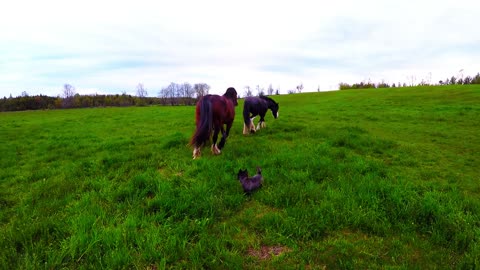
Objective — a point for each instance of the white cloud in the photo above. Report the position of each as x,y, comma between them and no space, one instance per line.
111,46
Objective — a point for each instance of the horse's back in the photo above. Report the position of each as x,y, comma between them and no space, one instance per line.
254,105
223,109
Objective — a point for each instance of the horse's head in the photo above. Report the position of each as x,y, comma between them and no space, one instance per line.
274,108
232,95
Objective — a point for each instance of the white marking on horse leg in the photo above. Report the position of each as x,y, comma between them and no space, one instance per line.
215,149
259,125
196,152
252,126
245,129
263,125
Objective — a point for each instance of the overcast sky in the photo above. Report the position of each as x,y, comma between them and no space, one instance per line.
112,46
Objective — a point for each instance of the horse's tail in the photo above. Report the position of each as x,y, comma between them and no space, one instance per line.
204,121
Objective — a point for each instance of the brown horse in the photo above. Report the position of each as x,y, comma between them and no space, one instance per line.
212,113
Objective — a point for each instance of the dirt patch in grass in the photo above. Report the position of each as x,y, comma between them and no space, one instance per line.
267,252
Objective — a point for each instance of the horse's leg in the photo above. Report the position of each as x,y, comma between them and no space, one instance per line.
222,142
225,134
261,124
196,152
245,129
215,149
252,125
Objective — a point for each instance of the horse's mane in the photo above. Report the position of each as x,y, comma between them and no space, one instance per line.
267,98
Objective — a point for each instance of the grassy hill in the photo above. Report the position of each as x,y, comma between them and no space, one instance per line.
353,179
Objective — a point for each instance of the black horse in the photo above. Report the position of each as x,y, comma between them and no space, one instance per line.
254,106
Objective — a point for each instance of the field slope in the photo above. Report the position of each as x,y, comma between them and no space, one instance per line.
353,179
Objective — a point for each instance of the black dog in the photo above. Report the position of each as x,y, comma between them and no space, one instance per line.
250,184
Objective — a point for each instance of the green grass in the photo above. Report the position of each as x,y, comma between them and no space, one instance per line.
382,178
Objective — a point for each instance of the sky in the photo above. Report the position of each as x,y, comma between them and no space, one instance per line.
109,47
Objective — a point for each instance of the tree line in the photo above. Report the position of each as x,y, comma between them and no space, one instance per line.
179,94
173,94
459,80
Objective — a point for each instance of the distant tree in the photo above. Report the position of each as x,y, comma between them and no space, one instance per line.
141,95
277,91
467,80
260,91
141,91
68,95
24,94
344,86
453,80
383,84
68,91
318,88
248,91
291,91
163,95
270,90
423,83
412,79
460,76
201,89
173,93
188,93
476,79
300,88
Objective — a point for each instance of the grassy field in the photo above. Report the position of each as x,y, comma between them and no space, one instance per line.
382,178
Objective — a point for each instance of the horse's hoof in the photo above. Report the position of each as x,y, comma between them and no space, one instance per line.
196,153
215,150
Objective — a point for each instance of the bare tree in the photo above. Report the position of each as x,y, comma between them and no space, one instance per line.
163,95
68,91
413,80
141,91
201,89
172,93
248,91
270,90
300,88
68,94
188,93
260,91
